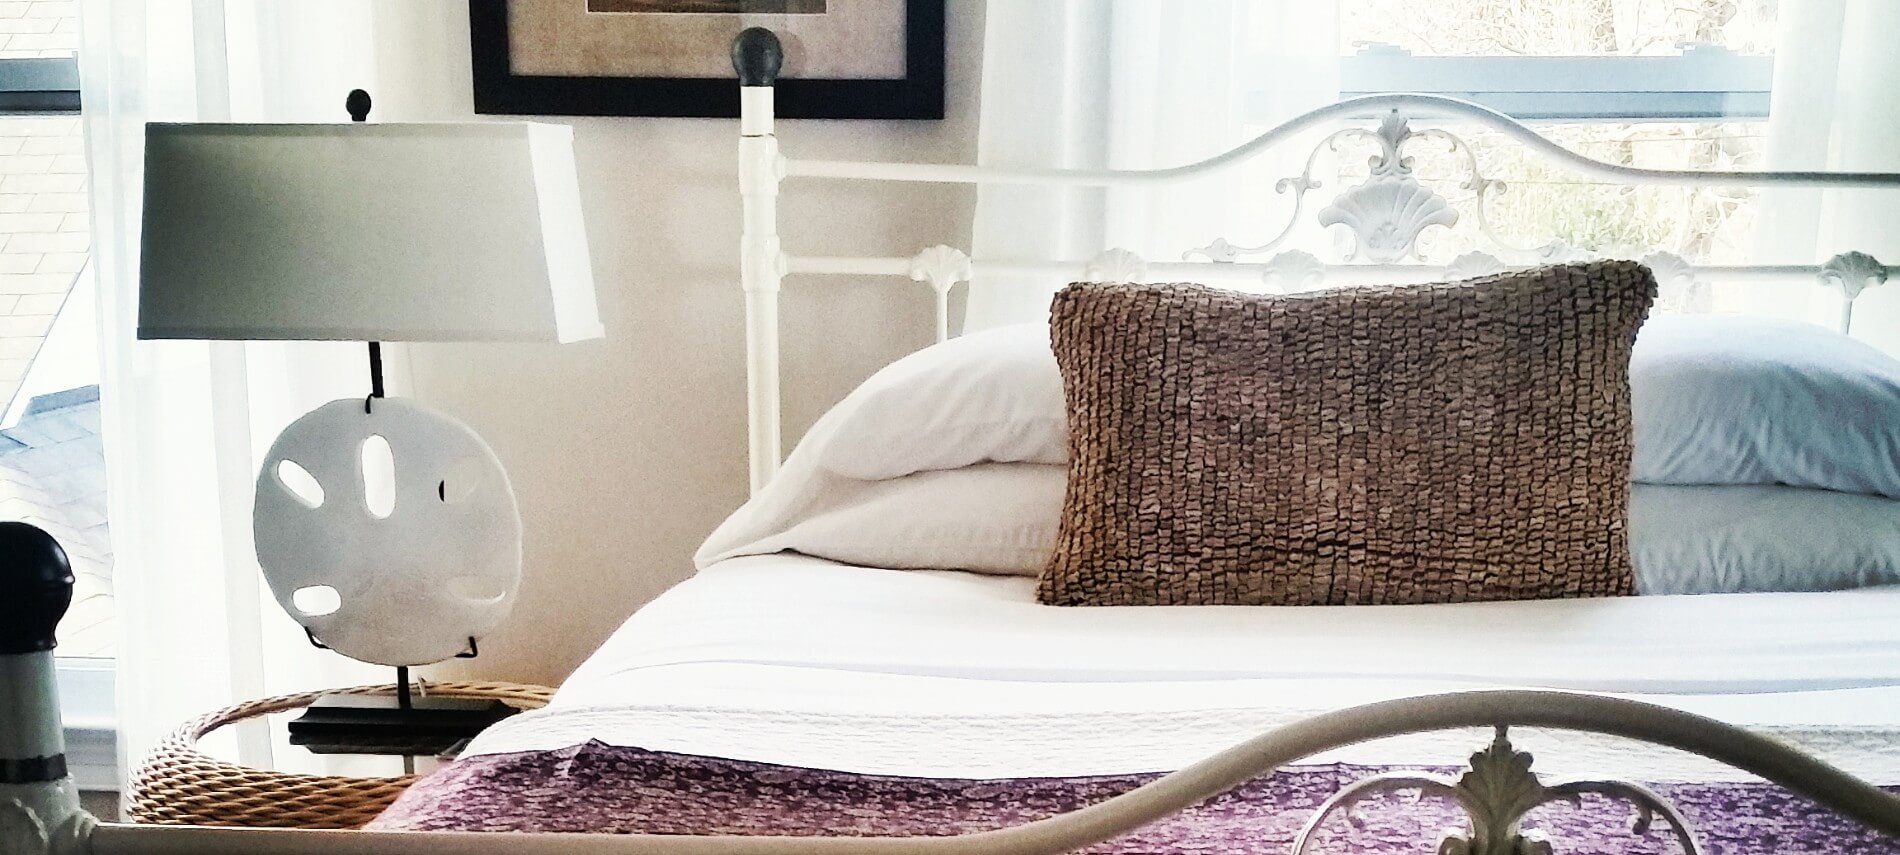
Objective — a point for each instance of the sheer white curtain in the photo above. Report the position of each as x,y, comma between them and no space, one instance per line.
1834,108
187,422
1135,84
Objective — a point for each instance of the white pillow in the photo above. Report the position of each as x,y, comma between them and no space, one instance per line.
992,396
1002,517
1730,399
1707,540
989,518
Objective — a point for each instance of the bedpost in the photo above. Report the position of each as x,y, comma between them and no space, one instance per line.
757,56
37,798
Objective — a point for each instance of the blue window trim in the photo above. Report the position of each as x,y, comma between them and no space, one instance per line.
1704,82
39,85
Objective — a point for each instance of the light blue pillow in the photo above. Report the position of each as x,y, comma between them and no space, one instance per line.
1724,540
1731,399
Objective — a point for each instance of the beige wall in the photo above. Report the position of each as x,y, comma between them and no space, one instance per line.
625,452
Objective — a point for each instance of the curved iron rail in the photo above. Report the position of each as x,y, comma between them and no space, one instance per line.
1106,820
1414,105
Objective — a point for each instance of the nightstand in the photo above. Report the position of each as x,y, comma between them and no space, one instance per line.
180,785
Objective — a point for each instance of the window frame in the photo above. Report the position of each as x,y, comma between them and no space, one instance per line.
47,84
1704,82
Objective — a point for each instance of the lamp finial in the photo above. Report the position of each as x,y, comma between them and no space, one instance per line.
358,105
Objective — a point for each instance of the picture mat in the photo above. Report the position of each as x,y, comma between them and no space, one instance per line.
851,40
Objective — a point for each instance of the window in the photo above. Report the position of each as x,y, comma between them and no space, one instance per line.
1567,59
40,83
1702,81
52,469
1669,84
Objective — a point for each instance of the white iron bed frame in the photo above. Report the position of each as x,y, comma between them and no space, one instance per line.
1385,215
40,812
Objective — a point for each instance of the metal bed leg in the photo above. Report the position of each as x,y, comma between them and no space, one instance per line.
39,805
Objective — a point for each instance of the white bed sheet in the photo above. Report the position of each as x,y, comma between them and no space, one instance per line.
801,661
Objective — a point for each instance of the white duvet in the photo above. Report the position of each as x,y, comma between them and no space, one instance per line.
796,660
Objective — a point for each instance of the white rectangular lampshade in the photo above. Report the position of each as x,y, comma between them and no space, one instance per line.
366,232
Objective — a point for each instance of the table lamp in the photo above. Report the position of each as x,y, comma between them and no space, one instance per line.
373,232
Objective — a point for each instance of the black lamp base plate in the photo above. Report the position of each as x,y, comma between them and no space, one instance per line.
369,724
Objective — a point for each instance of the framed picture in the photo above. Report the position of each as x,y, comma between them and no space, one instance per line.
844,59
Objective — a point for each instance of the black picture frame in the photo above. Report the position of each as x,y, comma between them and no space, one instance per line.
498,90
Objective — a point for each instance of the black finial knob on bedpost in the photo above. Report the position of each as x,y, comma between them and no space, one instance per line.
358,105
36,588
757,56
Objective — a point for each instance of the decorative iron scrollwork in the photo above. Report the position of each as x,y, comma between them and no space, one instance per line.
1117,265
1388,211
1293,271
1852,273
1496,792
1223,250
20,830
1390,208
940,266
1677,289
1472,265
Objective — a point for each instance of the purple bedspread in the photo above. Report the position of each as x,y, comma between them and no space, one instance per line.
603,788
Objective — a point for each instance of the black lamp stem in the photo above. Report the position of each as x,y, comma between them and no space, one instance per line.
402,687
358,104
376,369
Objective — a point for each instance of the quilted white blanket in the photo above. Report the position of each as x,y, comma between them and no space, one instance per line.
800,661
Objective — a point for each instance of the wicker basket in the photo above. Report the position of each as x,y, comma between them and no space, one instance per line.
178,785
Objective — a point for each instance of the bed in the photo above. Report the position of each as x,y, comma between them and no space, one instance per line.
817,677
783,701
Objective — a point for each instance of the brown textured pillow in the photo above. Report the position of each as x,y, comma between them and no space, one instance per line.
1421,444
